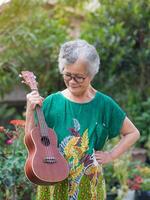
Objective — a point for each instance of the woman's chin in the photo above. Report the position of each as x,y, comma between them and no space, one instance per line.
75,91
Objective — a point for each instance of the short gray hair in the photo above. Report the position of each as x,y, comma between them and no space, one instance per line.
71,51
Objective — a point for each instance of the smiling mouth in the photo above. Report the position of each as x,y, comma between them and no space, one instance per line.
74,86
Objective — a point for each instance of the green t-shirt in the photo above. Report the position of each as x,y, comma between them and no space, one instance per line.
81,128
102,117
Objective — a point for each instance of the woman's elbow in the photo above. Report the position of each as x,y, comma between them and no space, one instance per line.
137,134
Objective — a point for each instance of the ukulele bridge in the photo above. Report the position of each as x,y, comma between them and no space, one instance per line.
50,160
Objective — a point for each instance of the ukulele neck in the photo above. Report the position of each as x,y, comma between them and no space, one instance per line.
41,121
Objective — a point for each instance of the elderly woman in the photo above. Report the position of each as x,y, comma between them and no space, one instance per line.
83,119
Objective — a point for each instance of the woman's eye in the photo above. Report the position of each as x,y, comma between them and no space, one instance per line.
68,75
78,77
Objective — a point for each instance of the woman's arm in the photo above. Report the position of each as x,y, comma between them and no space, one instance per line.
130,135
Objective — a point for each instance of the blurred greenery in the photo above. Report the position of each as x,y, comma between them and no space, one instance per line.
120,32
7,113
31,33
30,38
13,183
116,173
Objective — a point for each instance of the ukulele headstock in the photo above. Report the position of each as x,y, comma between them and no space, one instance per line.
29,79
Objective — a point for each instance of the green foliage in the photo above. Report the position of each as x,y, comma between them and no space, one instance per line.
116,173
7,113
146,185
13,182
30,38
120,32
112,182
141,114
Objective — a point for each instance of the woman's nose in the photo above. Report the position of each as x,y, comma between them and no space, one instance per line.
73,80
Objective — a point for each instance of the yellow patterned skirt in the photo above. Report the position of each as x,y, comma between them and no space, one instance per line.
91,187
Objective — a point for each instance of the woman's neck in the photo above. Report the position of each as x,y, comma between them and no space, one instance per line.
83,97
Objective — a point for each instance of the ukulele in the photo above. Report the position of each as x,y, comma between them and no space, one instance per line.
45,165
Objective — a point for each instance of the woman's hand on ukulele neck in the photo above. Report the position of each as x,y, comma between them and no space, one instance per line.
33,99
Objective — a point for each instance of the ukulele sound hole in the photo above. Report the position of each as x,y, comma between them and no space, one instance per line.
45,141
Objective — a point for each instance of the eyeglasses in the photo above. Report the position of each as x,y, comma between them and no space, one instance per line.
77,78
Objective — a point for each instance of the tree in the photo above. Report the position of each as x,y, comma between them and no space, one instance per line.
30,37
120,31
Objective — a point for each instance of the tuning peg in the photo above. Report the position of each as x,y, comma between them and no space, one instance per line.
35,77
22,81
20,75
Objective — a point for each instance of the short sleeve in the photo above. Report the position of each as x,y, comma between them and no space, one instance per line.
117,116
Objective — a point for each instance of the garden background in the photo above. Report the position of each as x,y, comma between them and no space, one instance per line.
31,33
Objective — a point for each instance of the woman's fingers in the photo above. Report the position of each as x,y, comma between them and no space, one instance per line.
34,99
103,157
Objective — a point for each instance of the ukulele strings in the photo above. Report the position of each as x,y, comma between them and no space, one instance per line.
42,125
43,134
49,150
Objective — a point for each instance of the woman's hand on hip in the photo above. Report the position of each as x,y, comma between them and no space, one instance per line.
33,99
103,157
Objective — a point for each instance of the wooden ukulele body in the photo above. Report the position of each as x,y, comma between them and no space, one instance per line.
44,165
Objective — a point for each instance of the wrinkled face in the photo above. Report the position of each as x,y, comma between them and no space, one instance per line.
76,77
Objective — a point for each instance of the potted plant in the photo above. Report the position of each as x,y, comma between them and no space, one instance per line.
121,172
111,182
144,192
139,181
116,174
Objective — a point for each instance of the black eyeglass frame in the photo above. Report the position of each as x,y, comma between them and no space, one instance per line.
75,77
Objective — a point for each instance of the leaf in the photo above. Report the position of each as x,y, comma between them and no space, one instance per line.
70,147
76,124
85,141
